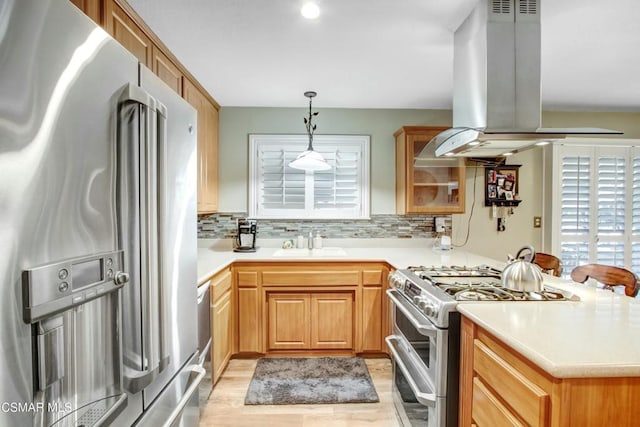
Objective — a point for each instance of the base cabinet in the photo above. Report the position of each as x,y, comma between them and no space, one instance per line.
310,321
311,306
222,323
505,389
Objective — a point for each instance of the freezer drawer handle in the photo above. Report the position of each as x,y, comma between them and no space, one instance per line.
197,374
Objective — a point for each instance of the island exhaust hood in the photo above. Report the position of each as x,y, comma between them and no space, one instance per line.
496,84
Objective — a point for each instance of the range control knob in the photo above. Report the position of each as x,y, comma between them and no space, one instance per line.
121,278
433,311
396,281
417,301
428,310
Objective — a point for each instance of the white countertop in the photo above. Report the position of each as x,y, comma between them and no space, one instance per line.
598,336
213,255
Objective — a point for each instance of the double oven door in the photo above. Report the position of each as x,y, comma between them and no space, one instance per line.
425,366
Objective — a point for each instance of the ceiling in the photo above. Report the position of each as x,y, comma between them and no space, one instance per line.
388,53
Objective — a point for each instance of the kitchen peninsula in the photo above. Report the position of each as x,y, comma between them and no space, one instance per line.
576,360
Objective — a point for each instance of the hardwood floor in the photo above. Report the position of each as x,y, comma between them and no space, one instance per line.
225,406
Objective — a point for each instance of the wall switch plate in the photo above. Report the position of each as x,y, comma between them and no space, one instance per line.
537,221
439,224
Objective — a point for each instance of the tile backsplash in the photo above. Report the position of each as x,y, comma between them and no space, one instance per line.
223,226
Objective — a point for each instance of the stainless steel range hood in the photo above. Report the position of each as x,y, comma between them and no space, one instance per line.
496,84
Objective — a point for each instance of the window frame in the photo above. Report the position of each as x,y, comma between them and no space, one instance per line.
298,143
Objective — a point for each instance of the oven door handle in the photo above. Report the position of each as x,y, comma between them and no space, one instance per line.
410,311
412,372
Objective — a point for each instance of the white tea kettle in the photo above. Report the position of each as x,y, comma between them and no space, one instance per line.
521,274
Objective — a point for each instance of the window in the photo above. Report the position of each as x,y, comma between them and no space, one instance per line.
279,191
598,206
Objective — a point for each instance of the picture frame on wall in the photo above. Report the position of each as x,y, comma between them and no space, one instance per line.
501,185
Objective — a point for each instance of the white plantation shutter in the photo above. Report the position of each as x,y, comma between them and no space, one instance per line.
279,191
576,195
635,211
599,206
576,199
281,187
339,187
611,193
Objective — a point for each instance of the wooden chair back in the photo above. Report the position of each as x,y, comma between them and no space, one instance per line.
607,275
548,263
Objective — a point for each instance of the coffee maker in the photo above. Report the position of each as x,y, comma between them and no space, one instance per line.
246,239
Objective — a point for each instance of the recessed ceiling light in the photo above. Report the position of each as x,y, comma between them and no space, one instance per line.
541,143
509,153
310,10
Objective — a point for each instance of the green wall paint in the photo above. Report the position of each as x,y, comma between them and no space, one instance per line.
236,123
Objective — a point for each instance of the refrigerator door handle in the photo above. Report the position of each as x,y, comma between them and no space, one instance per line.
155,357
197,374
161,138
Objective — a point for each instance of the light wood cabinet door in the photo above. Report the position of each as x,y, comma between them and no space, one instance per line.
372,319
207,148
127,32
164,68
424,183
289,317
332,321
208,162
249,331
91,8
222,336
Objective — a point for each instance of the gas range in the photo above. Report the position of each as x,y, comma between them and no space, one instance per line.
435,291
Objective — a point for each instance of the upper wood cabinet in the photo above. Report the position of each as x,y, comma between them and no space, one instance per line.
207,147
120,20
91,8
425,183
164,68
125,30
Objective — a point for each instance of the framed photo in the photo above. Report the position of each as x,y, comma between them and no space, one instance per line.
501,185
492,191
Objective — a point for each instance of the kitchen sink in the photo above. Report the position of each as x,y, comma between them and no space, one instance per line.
322,252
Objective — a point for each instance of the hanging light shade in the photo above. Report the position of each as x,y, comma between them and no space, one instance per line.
310,160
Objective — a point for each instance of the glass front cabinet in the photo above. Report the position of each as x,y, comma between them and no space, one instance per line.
426,183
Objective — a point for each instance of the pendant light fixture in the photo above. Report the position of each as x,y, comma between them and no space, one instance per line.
310,160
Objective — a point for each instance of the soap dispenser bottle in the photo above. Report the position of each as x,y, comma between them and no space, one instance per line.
317,241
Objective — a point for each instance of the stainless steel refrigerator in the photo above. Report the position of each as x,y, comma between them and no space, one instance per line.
97,229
